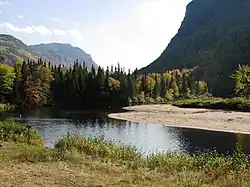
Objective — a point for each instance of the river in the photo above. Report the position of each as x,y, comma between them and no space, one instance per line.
53,124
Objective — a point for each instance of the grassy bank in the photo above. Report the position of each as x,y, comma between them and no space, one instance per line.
237,103
78,161
6,107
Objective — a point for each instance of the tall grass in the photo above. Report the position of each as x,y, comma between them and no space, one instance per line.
99,148
200,169
209,162
237,103
18,132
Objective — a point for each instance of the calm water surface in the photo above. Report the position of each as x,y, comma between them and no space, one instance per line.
53,125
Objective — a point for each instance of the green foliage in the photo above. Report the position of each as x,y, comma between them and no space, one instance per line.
18,132
6,107
114,84
7,76
242,81
237,103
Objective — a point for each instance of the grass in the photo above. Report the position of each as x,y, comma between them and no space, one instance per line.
5,107
79,161
237,103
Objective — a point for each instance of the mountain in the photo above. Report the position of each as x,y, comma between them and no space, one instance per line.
13,49
59,53
215,37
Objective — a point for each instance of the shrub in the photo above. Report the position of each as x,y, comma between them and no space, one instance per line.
241,104
18,132
149,100
135,100
6,107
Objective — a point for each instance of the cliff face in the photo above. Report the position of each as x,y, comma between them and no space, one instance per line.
215,36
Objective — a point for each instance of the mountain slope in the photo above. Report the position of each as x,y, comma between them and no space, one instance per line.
13,49
59,53
215,36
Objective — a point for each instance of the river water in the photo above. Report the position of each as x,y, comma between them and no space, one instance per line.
148,138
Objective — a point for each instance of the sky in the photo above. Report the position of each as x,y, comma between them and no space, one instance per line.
131,32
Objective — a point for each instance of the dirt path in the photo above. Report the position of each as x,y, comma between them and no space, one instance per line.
216,120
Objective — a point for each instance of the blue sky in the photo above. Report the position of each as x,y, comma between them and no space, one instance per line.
131,32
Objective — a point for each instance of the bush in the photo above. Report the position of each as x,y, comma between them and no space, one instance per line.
149,100
18,132
6,107
236,103
135,100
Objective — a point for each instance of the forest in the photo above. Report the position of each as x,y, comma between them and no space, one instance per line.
36,84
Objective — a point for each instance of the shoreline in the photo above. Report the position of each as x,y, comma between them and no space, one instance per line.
192,118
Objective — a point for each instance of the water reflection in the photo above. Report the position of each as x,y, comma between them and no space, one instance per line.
199,140
54,124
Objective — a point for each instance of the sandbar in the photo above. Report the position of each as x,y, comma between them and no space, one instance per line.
206,119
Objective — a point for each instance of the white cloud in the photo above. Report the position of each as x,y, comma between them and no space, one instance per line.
4,2
27,30
75,33
42,30
56,19
1,11
20,16
59,32
10,27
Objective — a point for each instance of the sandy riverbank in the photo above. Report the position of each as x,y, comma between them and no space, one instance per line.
216,120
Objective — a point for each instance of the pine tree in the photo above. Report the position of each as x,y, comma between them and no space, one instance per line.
163,87
157,88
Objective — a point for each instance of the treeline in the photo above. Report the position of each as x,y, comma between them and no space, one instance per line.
36,84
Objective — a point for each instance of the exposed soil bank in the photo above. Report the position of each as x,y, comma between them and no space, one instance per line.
214,120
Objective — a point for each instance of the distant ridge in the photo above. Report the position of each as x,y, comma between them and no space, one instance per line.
13,49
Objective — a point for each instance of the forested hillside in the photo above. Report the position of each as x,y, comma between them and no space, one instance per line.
215,37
